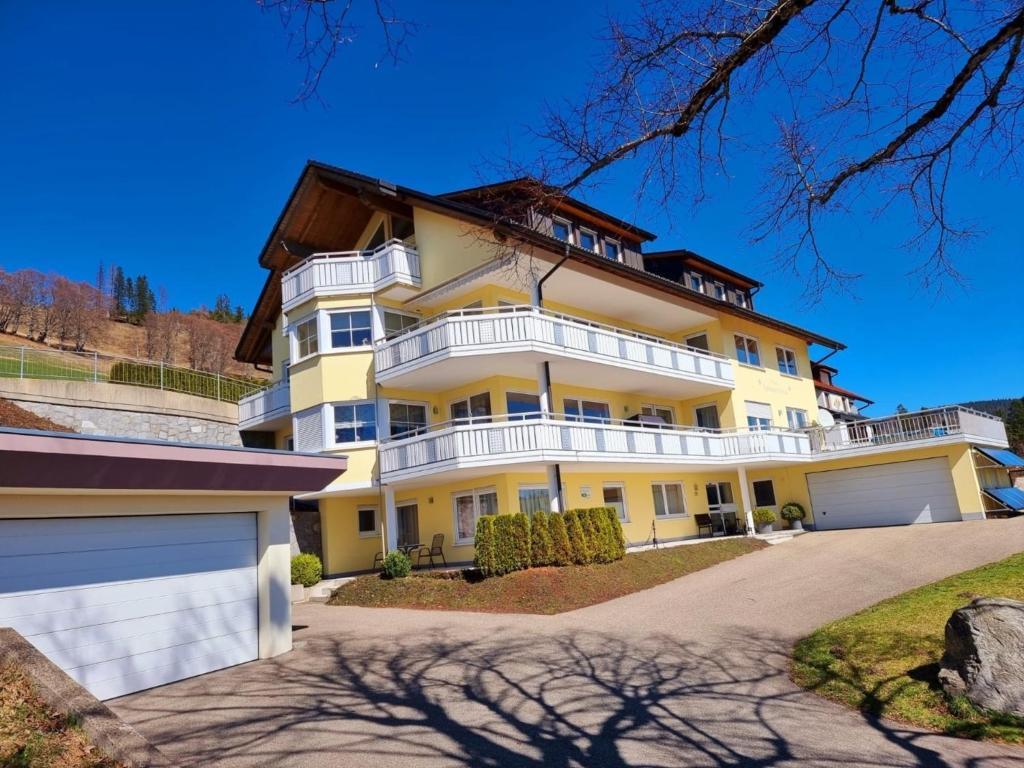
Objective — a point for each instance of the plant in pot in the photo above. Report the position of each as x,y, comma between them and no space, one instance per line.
763,520
794,514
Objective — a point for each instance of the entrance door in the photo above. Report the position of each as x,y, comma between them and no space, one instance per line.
721,505
408,524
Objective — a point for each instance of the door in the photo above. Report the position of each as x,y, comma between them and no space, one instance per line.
408,524
721,505
902,493
127,603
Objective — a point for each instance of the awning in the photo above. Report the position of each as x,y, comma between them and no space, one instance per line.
1008,497
1002,457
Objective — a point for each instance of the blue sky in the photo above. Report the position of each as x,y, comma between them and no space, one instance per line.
161,137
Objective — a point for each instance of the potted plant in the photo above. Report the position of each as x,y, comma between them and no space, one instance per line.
794,513
763,520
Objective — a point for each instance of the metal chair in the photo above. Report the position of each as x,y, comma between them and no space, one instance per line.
436,549
378,561
704,523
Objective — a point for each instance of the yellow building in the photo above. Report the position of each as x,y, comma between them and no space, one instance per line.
472,353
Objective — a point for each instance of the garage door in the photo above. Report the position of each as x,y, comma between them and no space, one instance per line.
126,603
884,494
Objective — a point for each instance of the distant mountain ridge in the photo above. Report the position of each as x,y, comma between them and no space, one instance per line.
996,407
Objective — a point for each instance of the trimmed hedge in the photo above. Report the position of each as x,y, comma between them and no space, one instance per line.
506,543
185,380
306,569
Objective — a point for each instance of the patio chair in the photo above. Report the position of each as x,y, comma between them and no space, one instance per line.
436,549
704,523
378,561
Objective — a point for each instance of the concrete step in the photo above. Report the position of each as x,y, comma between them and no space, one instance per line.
319,592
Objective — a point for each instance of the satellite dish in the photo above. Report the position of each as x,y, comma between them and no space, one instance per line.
825,418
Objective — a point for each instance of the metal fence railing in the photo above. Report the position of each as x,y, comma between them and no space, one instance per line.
33,363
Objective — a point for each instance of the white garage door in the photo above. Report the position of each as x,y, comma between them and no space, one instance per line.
884,494
126,603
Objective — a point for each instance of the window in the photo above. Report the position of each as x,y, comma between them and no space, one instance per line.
668,499
739,298
696,282
718,291
408,515
746,349
475,408
759,415
586,410
707,416
351,329
561,229
534,498
369,521
407,419
355,422
698,341
520,405
396,322
719,496
615,496
796,418
612,250
787,360
588,240
764,493
306,338
661,411
469,506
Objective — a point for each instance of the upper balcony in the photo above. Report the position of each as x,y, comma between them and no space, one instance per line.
450,349
949,424
482,444
394,266
270,408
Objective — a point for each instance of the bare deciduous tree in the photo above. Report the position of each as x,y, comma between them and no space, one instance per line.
163,330
211,345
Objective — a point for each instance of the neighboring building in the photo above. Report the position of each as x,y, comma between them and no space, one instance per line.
841,404
471,356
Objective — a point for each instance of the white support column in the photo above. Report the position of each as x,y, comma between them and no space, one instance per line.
745,500
390,518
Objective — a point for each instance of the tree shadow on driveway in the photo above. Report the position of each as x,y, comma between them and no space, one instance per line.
580,698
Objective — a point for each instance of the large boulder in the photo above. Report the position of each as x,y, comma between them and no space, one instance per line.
984,658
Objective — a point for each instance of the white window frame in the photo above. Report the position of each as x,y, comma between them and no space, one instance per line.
624,517
719,290
789,419
579,406
691,336
471,419
654,408
331,428
592,233
618,248
757,346
329,313
740,298
690,277
753,491
532,487
701,406
787,351
728,506
476,493
384,426
381,332
376,521
661,485
568,226
759,427
293,336
519,416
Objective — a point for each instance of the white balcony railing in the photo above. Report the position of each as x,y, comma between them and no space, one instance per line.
932,424
524,438
339,273
264,406
526,328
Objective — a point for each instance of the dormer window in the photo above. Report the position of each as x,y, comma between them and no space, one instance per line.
561,229
718,291
612,250
739,298
696,282
588,240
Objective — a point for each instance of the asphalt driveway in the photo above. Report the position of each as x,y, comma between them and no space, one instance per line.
691,673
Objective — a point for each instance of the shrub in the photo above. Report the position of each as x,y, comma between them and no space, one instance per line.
579,538
561,548
484,558
763,516
600,534
541,550
504,557
617,535
397,565
306,569
520,533
793,511
182,380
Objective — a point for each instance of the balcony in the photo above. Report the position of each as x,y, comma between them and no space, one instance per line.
269,408
394,265
937,425
493,443
453,348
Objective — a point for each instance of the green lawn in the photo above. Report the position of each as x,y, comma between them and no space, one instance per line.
542,590
884,660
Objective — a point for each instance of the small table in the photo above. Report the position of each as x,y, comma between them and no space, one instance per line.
408,549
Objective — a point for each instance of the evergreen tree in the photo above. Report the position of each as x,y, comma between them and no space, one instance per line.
145,301
239,313
901,408
130,299
222,309
118,294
